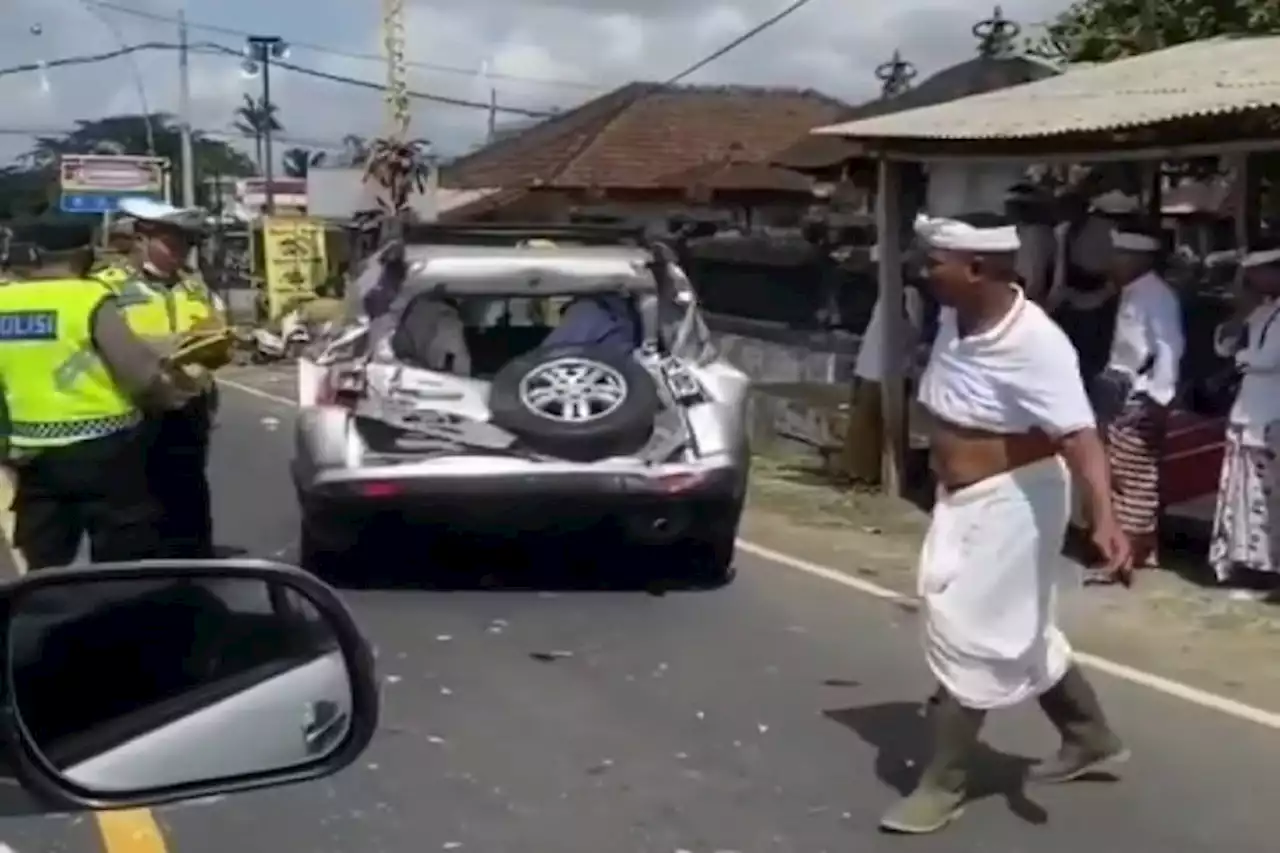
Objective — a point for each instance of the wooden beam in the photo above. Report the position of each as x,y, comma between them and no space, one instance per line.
893,402
1052,155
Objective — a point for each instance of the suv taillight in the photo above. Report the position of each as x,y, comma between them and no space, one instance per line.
341,388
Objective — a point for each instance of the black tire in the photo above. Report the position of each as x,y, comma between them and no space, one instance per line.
624,430
705,556
326,549
712,564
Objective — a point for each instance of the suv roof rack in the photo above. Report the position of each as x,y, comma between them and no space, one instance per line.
509,234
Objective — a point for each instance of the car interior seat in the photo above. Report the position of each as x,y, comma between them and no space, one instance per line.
432,336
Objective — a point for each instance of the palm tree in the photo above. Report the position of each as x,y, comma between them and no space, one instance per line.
355,150
254,118
298,161
400,168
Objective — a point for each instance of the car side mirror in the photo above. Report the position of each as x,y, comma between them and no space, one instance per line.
134,684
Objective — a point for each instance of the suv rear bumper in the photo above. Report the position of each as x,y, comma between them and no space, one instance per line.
646,507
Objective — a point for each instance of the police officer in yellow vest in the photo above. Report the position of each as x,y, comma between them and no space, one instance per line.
163,302
74,379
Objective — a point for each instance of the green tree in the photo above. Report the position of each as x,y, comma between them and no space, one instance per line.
31,186
1104,30
299,161
255,117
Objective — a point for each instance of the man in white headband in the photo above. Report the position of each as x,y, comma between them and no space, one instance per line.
1133,392
1008,407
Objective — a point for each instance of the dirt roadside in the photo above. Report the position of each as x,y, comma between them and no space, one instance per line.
1166,624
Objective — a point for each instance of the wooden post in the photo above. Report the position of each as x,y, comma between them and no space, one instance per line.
893,403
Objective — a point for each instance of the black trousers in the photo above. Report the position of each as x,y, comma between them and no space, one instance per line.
176,471
96,488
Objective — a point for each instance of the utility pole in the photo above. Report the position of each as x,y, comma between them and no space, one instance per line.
260,50
184,112
493,113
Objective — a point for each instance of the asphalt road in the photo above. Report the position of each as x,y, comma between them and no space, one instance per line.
777,714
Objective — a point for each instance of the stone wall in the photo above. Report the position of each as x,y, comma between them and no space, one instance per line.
772,353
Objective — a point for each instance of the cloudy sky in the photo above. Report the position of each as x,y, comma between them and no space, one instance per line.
539,55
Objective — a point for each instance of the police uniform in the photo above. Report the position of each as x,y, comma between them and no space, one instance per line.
160,310
75,436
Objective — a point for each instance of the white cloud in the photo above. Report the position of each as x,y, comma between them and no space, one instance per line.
831,45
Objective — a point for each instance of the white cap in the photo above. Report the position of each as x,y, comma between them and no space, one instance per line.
957,236
149,210
1114,203
1129,241
1260,258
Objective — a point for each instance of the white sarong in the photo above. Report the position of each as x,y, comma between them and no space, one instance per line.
990,571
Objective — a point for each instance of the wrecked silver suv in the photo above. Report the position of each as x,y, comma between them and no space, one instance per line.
525,379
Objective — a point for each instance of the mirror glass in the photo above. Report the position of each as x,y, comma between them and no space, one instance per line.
131,685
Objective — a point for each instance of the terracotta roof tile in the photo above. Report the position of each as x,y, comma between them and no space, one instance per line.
722,175
638,135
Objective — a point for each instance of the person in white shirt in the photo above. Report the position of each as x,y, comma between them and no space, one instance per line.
1244,549
1009,416
1134,391
864,437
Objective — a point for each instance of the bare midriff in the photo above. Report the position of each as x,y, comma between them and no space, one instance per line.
962,456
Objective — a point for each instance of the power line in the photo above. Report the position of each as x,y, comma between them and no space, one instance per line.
299,141
759,28
213,48
333,51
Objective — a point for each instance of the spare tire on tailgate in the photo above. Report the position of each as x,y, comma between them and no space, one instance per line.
579,403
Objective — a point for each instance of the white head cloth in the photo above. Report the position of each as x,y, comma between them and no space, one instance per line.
957,236
1260,258
1128,241
1114,203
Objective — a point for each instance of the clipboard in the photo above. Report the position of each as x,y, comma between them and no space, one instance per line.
208,348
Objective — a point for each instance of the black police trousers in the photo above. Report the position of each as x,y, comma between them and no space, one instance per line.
176,472
96,488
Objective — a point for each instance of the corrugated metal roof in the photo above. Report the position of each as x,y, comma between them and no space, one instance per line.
1212,77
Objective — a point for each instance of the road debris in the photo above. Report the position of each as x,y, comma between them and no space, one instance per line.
549,657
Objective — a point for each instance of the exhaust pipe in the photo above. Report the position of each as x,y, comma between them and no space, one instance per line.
657,529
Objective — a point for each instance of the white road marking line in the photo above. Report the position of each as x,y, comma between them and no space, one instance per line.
1133,675
1159,683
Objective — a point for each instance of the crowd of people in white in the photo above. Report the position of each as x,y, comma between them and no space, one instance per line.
1098,271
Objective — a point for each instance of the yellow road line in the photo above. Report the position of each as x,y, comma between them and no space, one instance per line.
130,831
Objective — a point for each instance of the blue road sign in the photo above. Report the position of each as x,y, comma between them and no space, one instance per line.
98,203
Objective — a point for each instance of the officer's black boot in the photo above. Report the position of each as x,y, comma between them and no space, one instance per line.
1087,739
939,796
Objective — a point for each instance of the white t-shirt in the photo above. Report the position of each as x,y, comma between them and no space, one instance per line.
1020,375
1257,404
1149,330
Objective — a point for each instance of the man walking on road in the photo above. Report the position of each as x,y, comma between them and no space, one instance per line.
1004,390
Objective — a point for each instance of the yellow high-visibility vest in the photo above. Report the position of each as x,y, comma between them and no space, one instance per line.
157,312
57,391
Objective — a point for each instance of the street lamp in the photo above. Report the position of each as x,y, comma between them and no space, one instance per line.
259,51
